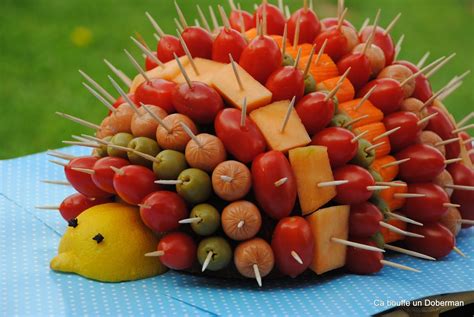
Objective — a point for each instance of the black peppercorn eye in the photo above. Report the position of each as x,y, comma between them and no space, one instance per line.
72,223
98,238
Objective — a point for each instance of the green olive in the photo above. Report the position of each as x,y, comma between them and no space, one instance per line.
377,177
195,186
221,253
309,84
288,60
380,203
170,163
378,239
210,219
339,120
364,158
144,145
102,150
121,139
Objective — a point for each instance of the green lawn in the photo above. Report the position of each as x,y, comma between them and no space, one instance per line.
39,62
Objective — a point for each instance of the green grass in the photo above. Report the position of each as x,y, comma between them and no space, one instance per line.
39,62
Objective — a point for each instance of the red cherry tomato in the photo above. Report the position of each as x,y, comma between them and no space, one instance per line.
293,234
234,20
82,182
438,241
424,165
133,183
285,83
200,102
149,63
360,261
244,143
229,41
464,136
309,26
167,47
268,168
364,220
179,251
161,211
157,92
73,205
121,101
103,176
198,41
408,132
442,125
388,95
329,22
384,41
423,89
463,175
338,140
337,44
355,191
261,58
315,112
429,208
275,18
361,68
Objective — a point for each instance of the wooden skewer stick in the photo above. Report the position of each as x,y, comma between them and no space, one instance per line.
203,18
183,71
288,113
281,181
321,52
395,163
47,207
449,141
454,160
197,23
399,266
408,195
450,205
369,41
224,18
242,23
357,245
190,134
340,8
392,24
180,15
188,54
92,138
58,163
79,121
296,37
333,183
232,5
459,187
155,25
297,59
100,98
243,115
365,98
265,21
398,46
60,155
447,87
392,184
386,133
450,90
403,218
466,221
409,252
297,257
305,5
258,277
241,224
190,220
179,27
125,97
423,60
207,260
340,22
226,178
236,72
146,156
287,12
311,5
377,187
364,25
81,139
214,19
284,39
281,6
339,83
97,86
349,123
421,71
438,67
374,146
155,253
83,170
147,52
466,119
124,78
359,136
62,183
137,65
427,118
168,182
156,118
466,127
85,144
468,141
458,251
400,231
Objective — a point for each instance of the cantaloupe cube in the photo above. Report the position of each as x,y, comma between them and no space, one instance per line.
311,167
168,72
328,223
227,85
206,68
269,120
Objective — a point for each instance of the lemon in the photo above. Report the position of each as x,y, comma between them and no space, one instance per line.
108,244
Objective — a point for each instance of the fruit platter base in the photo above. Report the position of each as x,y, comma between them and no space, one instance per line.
29,238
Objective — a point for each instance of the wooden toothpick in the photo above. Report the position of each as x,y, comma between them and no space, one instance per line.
288,113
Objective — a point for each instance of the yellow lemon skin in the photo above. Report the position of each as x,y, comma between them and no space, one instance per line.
120,256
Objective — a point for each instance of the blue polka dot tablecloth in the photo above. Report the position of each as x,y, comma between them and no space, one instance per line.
29,239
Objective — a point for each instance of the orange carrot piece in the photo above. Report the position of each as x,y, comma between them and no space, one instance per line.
393,202
251,34
325,69
345,93
388,174
293,51
374,130
367,108
278,39
390,236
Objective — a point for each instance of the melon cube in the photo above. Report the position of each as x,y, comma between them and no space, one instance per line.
206,68
328,223
311,167
269,120
227,85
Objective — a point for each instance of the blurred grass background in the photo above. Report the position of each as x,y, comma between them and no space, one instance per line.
45,42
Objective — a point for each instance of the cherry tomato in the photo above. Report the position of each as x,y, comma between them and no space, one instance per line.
388,95
200,102
333,21
464,137
167,47
103,176
438,241
261,58
355,191
73,205
337,44
360,261
234,19
244,143
361,68
179,251
384,41
268,168
338,140
134,182
229,41
149,63
463,175
198,41
161,211
364,220
423,89
285,83
442,125
275,18
82,182
293,234
408,132
315,112
424,165
309,26
429,208
121,101
157,92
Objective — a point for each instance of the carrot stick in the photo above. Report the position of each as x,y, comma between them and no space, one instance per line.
374,130
345,93
388,174
367,108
